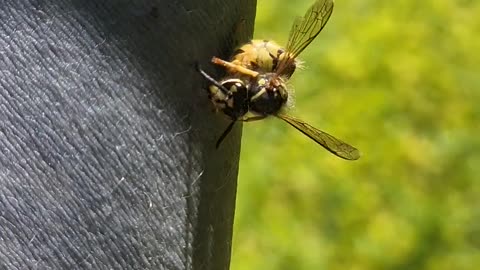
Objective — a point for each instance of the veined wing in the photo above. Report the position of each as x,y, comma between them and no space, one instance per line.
332,144
305,29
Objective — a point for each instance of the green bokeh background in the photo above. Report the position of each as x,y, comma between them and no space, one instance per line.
400,80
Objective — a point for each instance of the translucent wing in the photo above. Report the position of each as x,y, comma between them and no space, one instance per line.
305,29
332,144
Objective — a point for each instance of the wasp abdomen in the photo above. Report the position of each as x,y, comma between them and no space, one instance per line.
262,56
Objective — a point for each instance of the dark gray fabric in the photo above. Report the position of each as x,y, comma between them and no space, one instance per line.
107,139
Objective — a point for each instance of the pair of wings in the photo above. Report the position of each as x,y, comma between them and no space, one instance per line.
304,30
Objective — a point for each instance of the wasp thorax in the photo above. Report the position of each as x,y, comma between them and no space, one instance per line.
287,70
268,94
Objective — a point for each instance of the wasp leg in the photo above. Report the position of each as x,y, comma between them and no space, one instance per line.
234,67
212,80
224,134
259,94
253,118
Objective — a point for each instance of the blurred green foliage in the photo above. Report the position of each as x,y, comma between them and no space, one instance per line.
400,80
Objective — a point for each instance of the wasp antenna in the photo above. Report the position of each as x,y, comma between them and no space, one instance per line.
211,80
224,134
197,66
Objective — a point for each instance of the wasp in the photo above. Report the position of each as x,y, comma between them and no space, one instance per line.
255,86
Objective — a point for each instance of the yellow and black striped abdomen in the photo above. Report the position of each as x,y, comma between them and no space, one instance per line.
259,55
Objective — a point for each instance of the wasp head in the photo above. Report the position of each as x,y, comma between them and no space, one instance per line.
231,97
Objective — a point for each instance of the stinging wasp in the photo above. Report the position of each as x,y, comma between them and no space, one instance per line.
255,85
